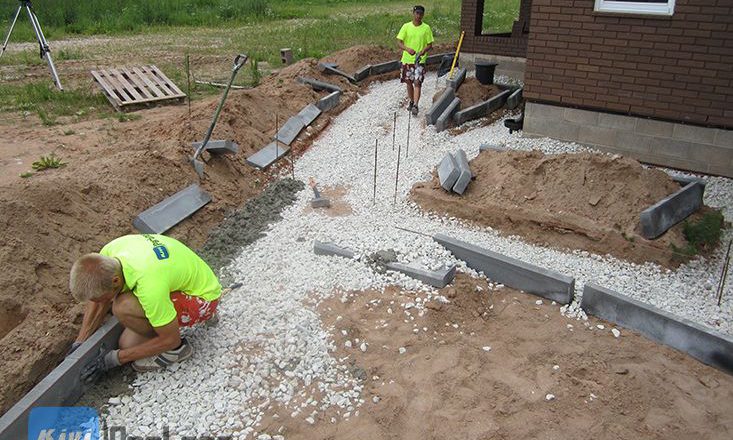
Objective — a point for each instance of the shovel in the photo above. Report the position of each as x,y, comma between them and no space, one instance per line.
197,164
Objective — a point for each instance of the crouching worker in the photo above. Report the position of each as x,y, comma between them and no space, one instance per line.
154,285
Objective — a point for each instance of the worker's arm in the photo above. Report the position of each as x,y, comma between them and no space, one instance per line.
167,338
401,45
94,315
426,50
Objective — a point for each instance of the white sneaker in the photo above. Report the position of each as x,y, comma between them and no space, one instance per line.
159,362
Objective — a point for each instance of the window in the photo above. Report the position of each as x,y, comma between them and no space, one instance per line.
651,7
498,17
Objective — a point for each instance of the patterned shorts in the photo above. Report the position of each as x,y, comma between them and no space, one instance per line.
192,310
413,73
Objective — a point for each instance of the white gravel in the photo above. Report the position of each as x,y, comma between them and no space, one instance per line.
270,347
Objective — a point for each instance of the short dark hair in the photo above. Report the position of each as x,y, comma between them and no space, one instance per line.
418,8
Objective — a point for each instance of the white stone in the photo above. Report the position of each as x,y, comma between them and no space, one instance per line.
549,397
615,332
402,350
486,348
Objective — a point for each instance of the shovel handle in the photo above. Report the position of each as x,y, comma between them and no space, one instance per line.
239,61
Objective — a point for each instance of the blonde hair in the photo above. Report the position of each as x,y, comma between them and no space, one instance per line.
91,276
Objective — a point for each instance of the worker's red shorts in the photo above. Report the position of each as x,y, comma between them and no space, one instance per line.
413,73
192,309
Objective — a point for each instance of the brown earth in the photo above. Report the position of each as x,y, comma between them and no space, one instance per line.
472,92
568,201
114,171
447,386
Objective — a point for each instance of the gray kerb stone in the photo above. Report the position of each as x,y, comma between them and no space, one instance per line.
491,147
267,155
445,118
439,106
63,385
309,114
290,130
700,342
318,85
514,99
362,73
331,249
330,69
218,147
512,272
169,212
459,74
439,278
464,178
448,172
329,101
390,66
658,218
481,109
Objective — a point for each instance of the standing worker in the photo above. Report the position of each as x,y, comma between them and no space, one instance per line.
415,39
154,285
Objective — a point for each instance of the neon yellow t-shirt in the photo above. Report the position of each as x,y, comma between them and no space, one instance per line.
416,38
156,265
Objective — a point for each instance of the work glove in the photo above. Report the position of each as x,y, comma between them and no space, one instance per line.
73,348
100,365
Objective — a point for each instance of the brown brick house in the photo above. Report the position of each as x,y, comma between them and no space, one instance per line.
652,79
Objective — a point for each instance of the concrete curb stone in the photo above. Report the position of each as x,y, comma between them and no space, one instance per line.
448,172
169,212
481,109
439,106
439,279
447,116
466,175
658,218
329,101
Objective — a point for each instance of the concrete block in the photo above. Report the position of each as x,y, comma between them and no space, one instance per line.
619,122
63,386
318,85
448,172
590,134
445,118
693,133
309,114
362,73
654,128
481,109
390,66
330,69
512,272
723,138
439,106
702,343
582,117
267,155
218,147
491,147
164,215
514,99
464,178
437,58
686,180
634,143
330,249
658,218
459,74
290,130
439,279
329,101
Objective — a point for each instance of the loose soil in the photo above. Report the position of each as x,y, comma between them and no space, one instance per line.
114,171
447,386
472,92
568,201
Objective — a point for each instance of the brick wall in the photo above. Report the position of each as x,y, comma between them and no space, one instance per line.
677,68
474,42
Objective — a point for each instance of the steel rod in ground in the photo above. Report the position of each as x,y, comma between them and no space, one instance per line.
407,147
397,174
374,195
277,141
394,129
724,273
188,85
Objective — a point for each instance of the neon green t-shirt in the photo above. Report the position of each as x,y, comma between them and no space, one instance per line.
156,265
416,38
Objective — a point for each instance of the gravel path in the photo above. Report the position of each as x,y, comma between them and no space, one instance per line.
270,349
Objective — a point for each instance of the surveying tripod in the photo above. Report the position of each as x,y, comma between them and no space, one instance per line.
42,43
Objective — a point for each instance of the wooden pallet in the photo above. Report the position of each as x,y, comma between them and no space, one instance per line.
128,88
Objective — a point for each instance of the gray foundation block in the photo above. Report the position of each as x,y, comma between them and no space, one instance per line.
290,130
318,85
331,249
390,66
514,99
445,118
459,75
309,114
63,386
465,177
219,147
491,147
704,344
481,109
164,215
362,73
448,172
658,218
267,155
512,272
439,106
685,180
331,69
439,279
329,101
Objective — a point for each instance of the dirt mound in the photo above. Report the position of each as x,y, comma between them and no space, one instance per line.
472,92
114,171
571,201
354,58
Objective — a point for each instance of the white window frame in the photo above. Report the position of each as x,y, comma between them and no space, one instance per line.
628,7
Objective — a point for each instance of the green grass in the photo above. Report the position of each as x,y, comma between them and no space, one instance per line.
499,15
702,235
48,103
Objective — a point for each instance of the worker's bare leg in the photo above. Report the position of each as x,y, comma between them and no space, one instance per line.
417,88
128,310
410,91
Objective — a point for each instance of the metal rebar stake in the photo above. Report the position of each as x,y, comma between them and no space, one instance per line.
407,147
374,195
397,174
277,128
394,129
724,273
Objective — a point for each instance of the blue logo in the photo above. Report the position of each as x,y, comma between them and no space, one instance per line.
161,252
63,423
